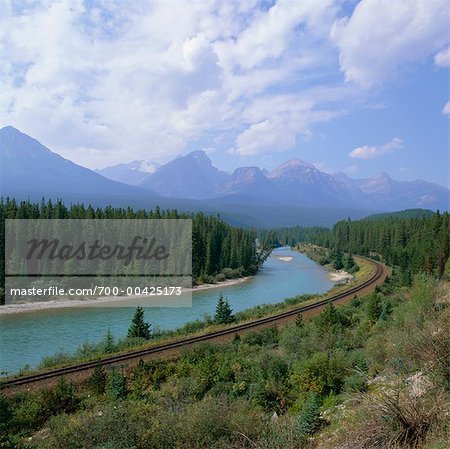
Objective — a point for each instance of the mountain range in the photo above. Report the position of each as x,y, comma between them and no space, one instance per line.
296,192
194,176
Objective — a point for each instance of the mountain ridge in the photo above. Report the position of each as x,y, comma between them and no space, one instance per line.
292,193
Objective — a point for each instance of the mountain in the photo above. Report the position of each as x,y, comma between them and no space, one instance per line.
132,173
384,193
30,170
295,193
190,176
248,182
306,184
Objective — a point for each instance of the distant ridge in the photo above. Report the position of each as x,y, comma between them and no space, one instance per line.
30,169
293,182
407,213
295,193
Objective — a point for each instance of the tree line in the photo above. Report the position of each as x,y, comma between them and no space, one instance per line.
218,249
414,245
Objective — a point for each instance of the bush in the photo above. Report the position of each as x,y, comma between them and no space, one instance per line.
322,374
115,385
265,337
398,418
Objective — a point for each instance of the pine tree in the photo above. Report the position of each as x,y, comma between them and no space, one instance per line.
374,308
97,380
337,259
224,313
108,342
139,328
349,262
329,318
116,385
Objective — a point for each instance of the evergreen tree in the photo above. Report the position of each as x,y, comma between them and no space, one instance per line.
349,262
139,328
97,380
329,318
108,342
116,385
374,308
308,420
224,313
337,259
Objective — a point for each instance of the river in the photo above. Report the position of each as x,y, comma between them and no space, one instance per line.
27,337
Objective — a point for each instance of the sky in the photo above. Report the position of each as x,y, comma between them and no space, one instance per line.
359,87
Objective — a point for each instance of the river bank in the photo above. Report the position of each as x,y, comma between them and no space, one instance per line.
71,303
321,256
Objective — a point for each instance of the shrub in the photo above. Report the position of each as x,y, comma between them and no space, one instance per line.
265,337
397,418
115,385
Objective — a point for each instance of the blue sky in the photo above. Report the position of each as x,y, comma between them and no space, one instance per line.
355,86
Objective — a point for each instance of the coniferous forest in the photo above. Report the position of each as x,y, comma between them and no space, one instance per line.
371,373
411,244
219,250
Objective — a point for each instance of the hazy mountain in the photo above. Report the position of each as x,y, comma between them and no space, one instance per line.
248,181
190,176
305,183
29,169
294,193
384,193
132,173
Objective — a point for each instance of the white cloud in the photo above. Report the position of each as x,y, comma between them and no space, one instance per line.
382,37
442,59
369,152
446,108
264,137
102,83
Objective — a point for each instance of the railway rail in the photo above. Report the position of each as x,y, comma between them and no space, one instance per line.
377,277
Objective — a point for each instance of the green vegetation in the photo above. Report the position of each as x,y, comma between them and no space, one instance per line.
375,370
413,245
372,373
410,244
219,251
139,328
407,213
224,313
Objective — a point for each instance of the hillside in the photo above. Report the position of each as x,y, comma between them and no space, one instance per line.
320,383
408,213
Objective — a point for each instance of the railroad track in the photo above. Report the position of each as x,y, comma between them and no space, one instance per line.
138,354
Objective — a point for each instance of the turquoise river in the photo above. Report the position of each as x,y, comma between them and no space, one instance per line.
28,337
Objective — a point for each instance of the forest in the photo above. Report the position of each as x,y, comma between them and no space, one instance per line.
372,373
219,251
411,244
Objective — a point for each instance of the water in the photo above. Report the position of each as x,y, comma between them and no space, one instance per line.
27,337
